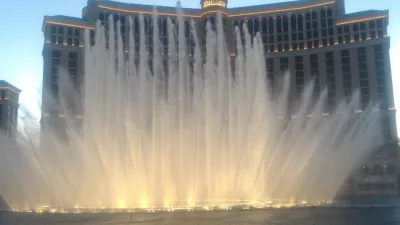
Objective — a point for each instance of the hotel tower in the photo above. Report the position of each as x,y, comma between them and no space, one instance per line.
312,39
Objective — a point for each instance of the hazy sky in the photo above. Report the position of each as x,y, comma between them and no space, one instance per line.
21,38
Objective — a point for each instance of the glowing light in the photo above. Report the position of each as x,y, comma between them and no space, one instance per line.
167,203
121,204
70,25
123,207
144,203
190,201
361,20
286,9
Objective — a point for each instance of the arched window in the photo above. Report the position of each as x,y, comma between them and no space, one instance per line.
293,23
136,25
308,16
314,15
329,12
235,24
279,24
212,21
187,29
250,26
147,25
264,26
285,24
164,27
270,25
116,18
241,23
323,13
300,22
256,26
101,16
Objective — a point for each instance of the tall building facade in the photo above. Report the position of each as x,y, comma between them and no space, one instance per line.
313,39
9,97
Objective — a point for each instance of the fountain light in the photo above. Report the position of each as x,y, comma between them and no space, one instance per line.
196,125
121,204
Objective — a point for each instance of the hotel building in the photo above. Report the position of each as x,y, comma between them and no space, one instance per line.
9,105
313,39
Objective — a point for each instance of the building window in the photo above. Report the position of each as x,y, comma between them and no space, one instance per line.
314,75
299,66
297,32
57,34
270,67
312,30
331,79
55,72
73,67
73,36
284,65
270,71
346,74
363,75
377,170
380,76
92,37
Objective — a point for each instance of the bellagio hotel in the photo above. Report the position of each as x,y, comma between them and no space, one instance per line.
313,39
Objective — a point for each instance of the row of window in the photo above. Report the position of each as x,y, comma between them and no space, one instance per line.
56,66
282,33
73,67
12,114
314,72
69,37
330,77
55,72
4,94
347,75
314,66
363,76
377,169
362,30
377,187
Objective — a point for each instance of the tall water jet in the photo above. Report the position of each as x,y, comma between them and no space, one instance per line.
179,127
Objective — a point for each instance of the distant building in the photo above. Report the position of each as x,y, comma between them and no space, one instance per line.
9,97
313,39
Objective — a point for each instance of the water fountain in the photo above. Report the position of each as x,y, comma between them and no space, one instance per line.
197,134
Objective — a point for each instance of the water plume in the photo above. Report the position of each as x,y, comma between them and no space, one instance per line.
180,127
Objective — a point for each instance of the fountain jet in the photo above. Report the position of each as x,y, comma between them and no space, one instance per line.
168,124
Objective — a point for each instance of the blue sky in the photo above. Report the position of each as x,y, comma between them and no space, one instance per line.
21,39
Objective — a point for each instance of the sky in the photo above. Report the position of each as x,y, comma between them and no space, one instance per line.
21,38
